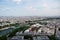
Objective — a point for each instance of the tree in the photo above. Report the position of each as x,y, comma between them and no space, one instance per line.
0,22
0,27
21,28
13,33
52,37
5,26
3,37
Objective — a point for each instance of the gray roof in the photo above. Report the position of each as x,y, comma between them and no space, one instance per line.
41,38
17,38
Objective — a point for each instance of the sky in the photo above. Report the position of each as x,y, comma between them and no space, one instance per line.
29,7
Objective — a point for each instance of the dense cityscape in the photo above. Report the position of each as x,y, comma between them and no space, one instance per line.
29,28
29,19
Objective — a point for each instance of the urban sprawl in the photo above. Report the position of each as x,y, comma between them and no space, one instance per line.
29,28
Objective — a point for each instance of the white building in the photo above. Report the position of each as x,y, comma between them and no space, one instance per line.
28,30
36,25
39,31
19,33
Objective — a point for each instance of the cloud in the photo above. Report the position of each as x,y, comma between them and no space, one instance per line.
17,1
45,5
32,7
4,9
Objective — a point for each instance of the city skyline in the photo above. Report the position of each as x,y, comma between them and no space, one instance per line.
29,7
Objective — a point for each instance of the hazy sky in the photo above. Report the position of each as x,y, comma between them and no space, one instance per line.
29,7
